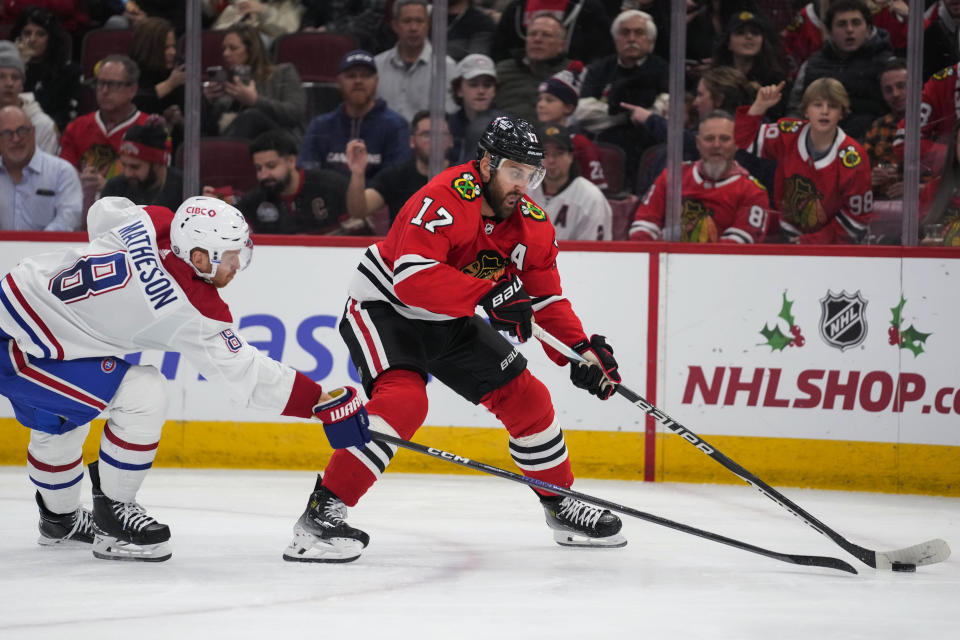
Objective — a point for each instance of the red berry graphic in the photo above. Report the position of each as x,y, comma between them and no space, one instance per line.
894,335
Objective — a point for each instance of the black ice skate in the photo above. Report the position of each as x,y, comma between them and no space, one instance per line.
68,530
124,530
578,524
322,533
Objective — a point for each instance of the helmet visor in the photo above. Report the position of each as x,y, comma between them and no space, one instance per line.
238,259
521,174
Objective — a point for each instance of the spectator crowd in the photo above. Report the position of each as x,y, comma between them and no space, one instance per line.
793,127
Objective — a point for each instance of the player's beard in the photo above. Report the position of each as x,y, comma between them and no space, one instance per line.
497,198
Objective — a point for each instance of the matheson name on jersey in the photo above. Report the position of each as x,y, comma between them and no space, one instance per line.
142,252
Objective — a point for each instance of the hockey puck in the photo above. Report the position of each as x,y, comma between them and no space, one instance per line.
905,567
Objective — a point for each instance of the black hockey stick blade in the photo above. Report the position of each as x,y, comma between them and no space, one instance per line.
808,561
930,552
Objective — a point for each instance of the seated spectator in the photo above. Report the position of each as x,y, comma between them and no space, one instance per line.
804,35
38,191
50,76
474,90
886,170
892,18
92,142
577,208
718,88
521,75
271,18
854,54
940,200
634,74
253,95
751,47
394,185
469,30
161,74
706,20
939,111
146,177
556,103
823,175
291,200
940,48
361,115
136,11
721,201
12,95
404,70
585,24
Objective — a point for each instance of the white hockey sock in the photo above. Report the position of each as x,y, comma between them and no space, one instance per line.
55,465
539,451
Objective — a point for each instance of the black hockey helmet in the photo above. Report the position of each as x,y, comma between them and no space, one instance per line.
513,139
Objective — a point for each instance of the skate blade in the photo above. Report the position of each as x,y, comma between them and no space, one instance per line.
108,548
570,539
307,547
63,543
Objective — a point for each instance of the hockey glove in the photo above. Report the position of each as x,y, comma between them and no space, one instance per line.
509,309
345,419
599,375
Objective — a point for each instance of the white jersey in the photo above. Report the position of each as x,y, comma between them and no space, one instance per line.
579,212
125,291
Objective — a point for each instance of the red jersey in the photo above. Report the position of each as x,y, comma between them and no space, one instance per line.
826,201
733,209
939,110
589,160
802,37
441,256
87,141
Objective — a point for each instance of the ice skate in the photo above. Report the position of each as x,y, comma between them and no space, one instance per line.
578,524
124,531
322,533
66,530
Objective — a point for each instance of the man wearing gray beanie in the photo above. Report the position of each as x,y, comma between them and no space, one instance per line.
12,74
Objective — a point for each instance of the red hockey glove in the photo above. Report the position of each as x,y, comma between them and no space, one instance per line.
599,375
509,308
345,419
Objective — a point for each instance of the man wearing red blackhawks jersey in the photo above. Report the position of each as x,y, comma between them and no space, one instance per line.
721,201
469,237
939,109
148,279
823,180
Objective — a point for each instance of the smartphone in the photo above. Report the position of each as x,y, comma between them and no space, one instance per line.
241,73
216,74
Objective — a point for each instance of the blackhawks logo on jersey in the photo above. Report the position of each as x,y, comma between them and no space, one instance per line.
467,186
697,222
850,157
532,210
943,74
789,126
802,205
489,265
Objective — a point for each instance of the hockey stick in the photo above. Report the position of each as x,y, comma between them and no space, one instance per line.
929,552
809,561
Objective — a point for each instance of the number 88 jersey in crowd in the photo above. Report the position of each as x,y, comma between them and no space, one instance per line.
441,256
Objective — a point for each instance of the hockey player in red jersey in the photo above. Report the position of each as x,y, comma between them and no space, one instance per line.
721,202
148,279
823,182
469,237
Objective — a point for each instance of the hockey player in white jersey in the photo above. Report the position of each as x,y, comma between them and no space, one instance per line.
577,208
148,279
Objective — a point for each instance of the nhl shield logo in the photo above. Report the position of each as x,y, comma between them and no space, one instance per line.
843,319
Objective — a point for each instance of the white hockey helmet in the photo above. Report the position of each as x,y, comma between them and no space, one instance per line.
212,225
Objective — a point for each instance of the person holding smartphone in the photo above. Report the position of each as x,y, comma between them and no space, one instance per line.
251,95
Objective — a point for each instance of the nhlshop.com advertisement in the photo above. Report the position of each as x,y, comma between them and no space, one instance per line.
817,347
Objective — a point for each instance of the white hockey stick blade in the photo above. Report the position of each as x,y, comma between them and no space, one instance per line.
929,552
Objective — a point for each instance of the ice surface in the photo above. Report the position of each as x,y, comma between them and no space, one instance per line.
471,557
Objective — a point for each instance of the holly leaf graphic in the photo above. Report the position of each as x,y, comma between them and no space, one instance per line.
775,338
913,340
786,310
898,313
